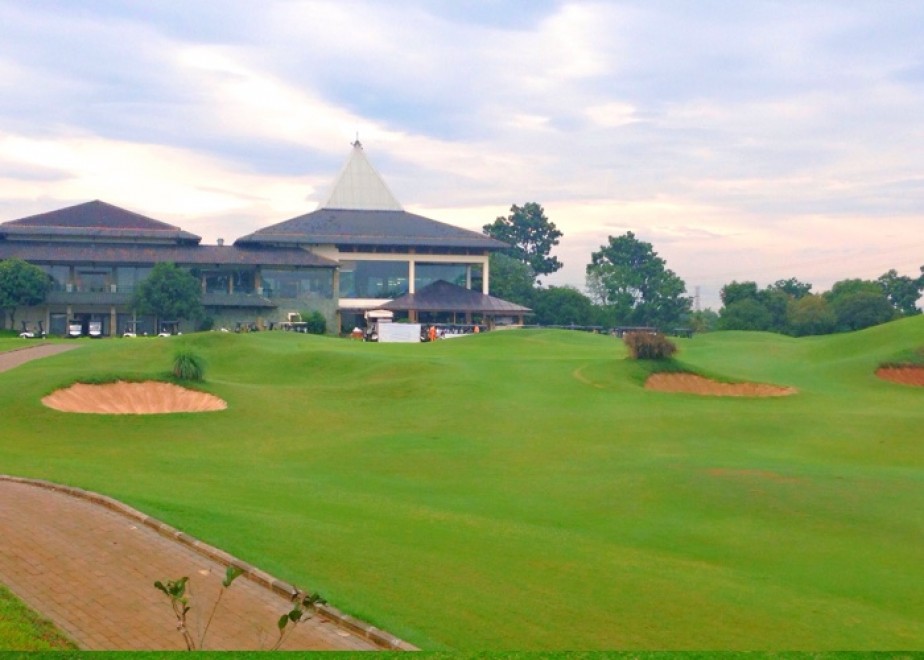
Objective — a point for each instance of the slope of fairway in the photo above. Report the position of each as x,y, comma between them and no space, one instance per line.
521,490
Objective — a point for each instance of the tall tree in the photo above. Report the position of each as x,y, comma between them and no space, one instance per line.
169,293
859,304
736,291
810,315
511,279
21,285
745,314
564,305
902,291
791,287
628,276
530,235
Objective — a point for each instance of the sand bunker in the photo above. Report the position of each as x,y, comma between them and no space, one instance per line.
693,384
121,398
907,375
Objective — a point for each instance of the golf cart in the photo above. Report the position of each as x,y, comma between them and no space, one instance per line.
74,329
169,328
32,334
96,329
131,329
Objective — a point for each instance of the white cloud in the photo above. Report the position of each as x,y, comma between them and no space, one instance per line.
764,138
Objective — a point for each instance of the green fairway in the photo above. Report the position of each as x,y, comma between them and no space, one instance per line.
521,490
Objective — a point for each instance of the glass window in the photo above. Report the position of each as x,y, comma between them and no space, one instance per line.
243,281
217,282
127,278
95,281
457,274
59,276
374,279
300,283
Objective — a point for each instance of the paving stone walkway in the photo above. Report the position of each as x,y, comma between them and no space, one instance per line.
18,356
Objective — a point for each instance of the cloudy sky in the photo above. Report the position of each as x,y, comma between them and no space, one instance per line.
754,140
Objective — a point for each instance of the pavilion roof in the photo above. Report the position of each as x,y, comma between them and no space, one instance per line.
442,296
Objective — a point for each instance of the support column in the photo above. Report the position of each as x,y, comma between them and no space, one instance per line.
113,317
411,275
486,276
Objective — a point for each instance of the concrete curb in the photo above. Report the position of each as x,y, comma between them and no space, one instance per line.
254,574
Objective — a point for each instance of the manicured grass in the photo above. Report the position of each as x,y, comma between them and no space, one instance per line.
521,490
21,629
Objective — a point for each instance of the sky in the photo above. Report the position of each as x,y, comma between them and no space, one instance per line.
756,140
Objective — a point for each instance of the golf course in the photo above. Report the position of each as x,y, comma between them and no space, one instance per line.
523,490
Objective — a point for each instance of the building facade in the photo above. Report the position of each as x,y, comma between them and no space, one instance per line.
358,251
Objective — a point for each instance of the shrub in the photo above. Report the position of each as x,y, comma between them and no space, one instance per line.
315,323
188,365
649,345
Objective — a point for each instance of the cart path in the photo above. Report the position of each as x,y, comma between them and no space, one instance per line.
89,564
17,356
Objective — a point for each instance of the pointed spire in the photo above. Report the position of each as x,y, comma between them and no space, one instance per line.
360,187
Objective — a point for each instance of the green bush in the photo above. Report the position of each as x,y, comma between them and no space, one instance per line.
649,345
316,324
188,365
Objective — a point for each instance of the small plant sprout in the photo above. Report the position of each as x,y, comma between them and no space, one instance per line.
231,574
179,601
176,592
303,607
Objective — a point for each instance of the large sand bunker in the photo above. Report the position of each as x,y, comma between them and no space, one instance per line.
121,398
911,374
693,384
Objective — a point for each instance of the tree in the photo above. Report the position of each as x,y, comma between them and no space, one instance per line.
705,320
736,291
169,292
810,315
792,287
861,309
511,279
531,236
745,314
563,305
765,309
21,285
902,291
628,276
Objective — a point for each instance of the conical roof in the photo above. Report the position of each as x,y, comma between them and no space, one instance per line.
359,187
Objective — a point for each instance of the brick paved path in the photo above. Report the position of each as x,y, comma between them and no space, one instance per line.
18,356
91,571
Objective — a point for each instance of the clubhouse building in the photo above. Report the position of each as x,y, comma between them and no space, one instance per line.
359,251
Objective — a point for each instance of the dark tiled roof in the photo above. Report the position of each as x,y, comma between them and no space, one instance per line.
95,219
441,296
53,252
362,227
